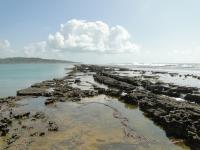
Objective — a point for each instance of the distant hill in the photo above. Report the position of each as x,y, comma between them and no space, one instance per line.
26,60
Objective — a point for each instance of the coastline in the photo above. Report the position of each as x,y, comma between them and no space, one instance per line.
18,76
180,119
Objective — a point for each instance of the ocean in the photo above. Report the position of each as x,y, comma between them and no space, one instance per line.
170,67
18,76
181,68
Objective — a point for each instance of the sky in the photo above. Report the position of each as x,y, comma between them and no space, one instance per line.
103,31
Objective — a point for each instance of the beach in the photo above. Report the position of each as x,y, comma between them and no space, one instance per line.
105,107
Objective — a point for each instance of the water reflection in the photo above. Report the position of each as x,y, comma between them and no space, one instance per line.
94,124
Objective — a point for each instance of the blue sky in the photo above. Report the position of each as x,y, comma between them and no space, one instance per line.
164,31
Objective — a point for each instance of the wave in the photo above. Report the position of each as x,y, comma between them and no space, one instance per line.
161,65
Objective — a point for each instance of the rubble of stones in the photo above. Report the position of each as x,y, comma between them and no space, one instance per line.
180,119
12,123
57,90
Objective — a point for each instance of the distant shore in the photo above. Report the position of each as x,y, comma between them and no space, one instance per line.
27,60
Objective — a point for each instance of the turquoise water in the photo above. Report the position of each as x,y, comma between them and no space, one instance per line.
17,76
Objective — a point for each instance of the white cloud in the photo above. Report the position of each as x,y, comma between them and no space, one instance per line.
4,44
85,36
76,37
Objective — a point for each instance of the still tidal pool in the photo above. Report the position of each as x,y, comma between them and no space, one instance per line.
96,123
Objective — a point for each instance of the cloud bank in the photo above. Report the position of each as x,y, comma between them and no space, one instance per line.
81,36
85,36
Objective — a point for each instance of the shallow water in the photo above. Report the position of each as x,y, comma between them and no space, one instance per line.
94,124
182,81
182,69
17,76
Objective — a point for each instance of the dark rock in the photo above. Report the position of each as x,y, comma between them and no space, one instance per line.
157,89
3,129
49,101
173,93
77,80
62,99
186,90
124,69
130,83
13,138
100,90
32,91
24,126
58,93
75,99
193,98
159,72
52,126
113,92
173,74
179,119
6,120
34,134
39,115
113,82
73,93
47,94
88,93
41,133
129,99
22,115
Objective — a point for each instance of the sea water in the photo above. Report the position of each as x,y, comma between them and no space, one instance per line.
18,76
181,69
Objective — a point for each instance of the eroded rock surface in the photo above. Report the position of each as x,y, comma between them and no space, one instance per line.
156,99
179,119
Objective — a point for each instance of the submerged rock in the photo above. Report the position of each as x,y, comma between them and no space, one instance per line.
6,120
41,133
39,115
32,91
3,129
52,126
22,115
13,138
49,101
